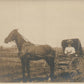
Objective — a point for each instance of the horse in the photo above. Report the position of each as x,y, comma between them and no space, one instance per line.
28,51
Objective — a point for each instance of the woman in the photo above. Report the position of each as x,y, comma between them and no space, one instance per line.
69,50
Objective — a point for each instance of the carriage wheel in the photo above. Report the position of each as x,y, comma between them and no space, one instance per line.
75,63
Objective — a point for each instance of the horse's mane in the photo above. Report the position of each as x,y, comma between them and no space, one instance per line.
25,39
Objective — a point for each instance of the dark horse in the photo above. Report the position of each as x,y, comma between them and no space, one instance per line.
29,51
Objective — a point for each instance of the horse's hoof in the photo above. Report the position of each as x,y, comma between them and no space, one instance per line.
49,79
30,80
24,80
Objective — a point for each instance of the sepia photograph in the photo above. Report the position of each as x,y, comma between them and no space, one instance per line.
41,41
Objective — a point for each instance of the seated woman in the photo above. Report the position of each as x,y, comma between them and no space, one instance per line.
69,50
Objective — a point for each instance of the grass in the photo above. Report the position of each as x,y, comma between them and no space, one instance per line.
10,69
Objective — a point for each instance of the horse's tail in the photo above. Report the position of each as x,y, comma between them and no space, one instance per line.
53,52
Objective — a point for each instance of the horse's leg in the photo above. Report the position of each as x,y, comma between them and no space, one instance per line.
52,68
50,62
23,68
28,69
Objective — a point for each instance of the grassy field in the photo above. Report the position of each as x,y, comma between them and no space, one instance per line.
10,69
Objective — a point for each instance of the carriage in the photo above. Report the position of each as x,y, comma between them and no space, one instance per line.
70,63
28,51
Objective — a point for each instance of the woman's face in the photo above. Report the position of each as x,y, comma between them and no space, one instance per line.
69,45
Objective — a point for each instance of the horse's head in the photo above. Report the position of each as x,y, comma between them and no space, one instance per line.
11,36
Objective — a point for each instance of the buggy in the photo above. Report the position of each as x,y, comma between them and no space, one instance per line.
75,43
69,63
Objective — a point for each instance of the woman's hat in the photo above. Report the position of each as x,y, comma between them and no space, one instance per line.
69,41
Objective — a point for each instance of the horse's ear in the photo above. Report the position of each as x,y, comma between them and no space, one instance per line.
16,30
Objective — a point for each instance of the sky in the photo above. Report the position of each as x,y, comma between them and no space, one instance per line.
42,22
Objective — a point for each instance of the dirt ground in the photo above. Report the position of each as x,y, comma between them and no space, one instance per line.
10,71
